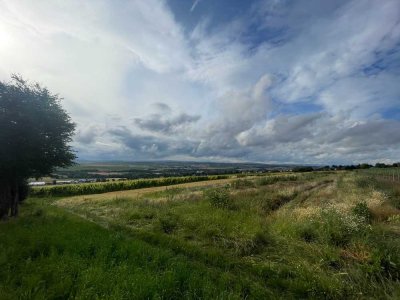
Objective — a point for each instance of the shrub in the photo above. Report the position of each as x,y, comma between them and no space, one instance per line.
218,197
332,227
361,210
338,229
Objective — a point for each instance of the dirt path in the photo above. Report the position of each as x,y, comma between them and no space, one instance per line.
138,192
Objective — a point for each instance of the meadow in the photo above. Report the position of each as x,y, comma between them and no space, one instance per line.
322,235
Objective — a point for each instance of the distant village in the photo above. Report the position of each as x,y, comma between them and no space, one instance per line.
73,181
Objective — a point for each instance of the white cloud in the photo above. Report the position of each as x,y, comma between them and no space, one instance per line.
212,93
193,7
339,46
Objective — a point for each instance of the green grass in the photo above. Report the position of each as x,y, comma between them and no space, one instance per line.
316,235
49,254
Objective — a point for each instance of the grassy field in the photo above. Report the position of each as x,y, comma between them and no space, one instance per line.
312,235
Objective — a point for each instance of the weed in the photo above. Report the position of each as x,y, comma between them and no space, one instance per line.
218,197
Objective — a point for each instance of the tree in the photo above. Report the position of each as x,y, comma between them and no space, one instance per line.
303,169
381,165
365,166
34,135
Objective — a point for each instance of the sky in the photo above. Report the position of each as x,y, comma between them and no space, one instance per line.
272,81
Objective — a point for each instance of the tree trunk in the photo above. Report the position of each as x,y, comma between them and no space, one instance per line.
10,197
15,200
5,199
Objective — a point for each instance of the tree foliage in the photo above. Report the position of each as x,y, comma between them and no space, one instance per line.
34,134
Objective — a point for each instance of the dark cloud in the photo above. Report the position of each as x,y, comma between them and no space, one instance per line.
162,107
368,136
161,124
322,138
310,138
147,146
87,135
283,129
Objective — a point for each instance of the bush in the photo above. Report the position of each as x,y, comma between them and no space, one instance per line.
339,229
361,210
332,227
218,197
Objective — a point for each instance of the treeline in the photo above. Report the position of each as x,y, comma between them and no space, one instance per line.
345,167
359,166
105,187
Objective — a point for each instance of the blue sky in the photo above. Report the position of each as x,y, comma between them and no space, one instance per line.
276,81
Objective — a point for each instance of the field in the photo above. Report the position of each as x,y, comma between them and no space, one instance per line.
104,187
325,235
153,169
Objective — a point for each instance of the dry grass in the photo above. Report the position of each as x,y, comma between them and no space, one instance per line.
383,212
358,253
